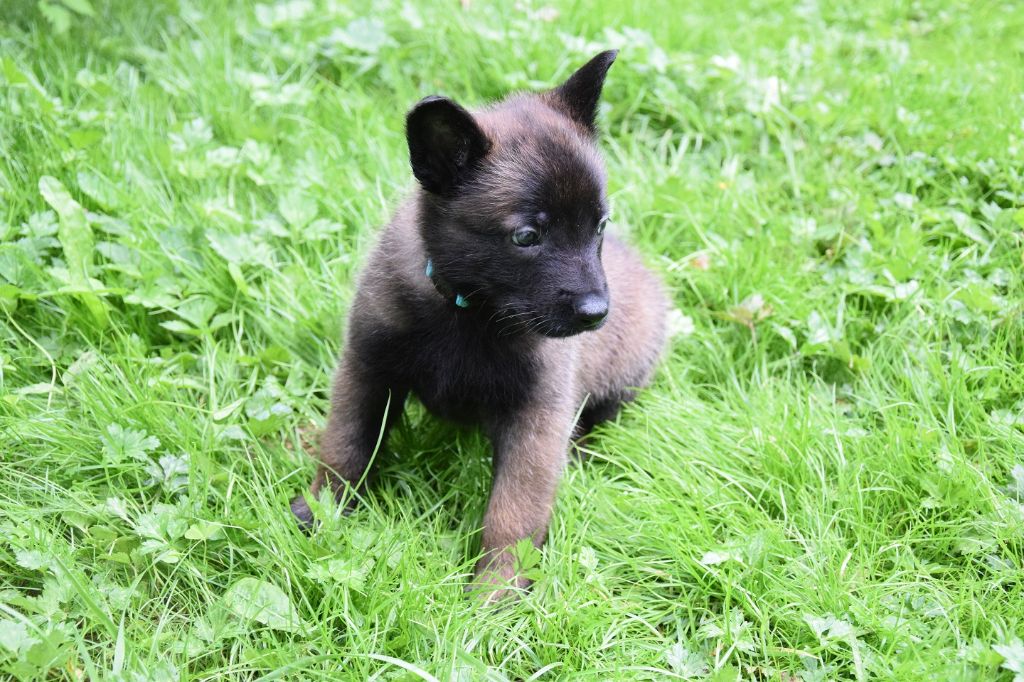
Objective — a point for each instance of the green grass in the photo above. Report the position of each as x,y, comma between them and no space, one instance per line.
824,482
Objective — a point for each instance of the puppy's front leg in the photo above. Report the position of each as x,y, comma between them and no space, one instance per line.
361,406
530,449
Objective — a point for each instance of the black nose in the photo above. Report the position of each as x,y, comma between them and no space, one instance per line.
590,311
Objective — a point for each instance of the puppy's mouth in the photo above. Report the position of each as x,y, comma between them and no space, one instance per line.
525,323
560,329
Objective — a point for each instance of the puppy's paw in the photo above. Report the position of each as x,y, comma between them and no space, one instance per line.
302,513
496,580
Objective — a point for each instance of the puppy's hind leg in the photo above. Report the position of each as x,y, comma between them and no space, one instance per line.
594,413
362,411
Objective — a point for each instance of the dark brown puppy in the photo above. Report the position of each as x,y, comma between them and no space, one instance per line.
495,297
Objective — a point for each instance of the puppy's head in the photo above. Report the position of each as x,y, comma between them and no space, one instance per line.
513,206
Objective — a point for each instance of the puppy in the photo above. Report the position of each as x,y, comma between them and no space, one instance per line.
496,298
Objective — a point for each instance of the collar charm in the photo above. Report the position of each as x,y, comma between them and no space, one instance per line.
443,288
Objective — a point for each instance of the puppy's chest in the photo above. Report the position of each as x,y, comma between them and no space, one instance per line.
460,375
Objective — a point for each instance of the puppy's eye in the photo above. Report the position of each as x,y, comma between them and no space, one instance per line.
526,236
603,223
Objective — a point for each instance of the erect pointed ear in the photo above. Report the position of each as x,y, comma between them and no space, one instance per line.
582,91
444,143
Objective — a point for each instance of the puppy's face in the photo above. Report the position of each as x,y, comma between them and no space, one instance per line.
514,206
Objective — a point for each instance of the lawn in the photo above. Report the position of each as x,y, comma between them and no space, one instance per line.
824,482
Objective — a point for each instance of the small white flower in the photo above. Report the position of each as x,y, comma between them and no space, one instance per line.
715,558
873,141
904,200
728,63
904,290
772,88
680,324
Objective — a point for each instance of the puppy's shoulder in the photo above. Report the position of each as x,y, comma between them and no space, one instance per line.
393,283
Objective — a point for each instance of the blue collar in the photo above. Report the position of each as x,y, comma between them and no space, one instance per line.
443,288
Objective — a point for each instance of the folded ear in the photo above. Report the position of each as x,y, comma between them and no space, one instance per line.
581,92
444,143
